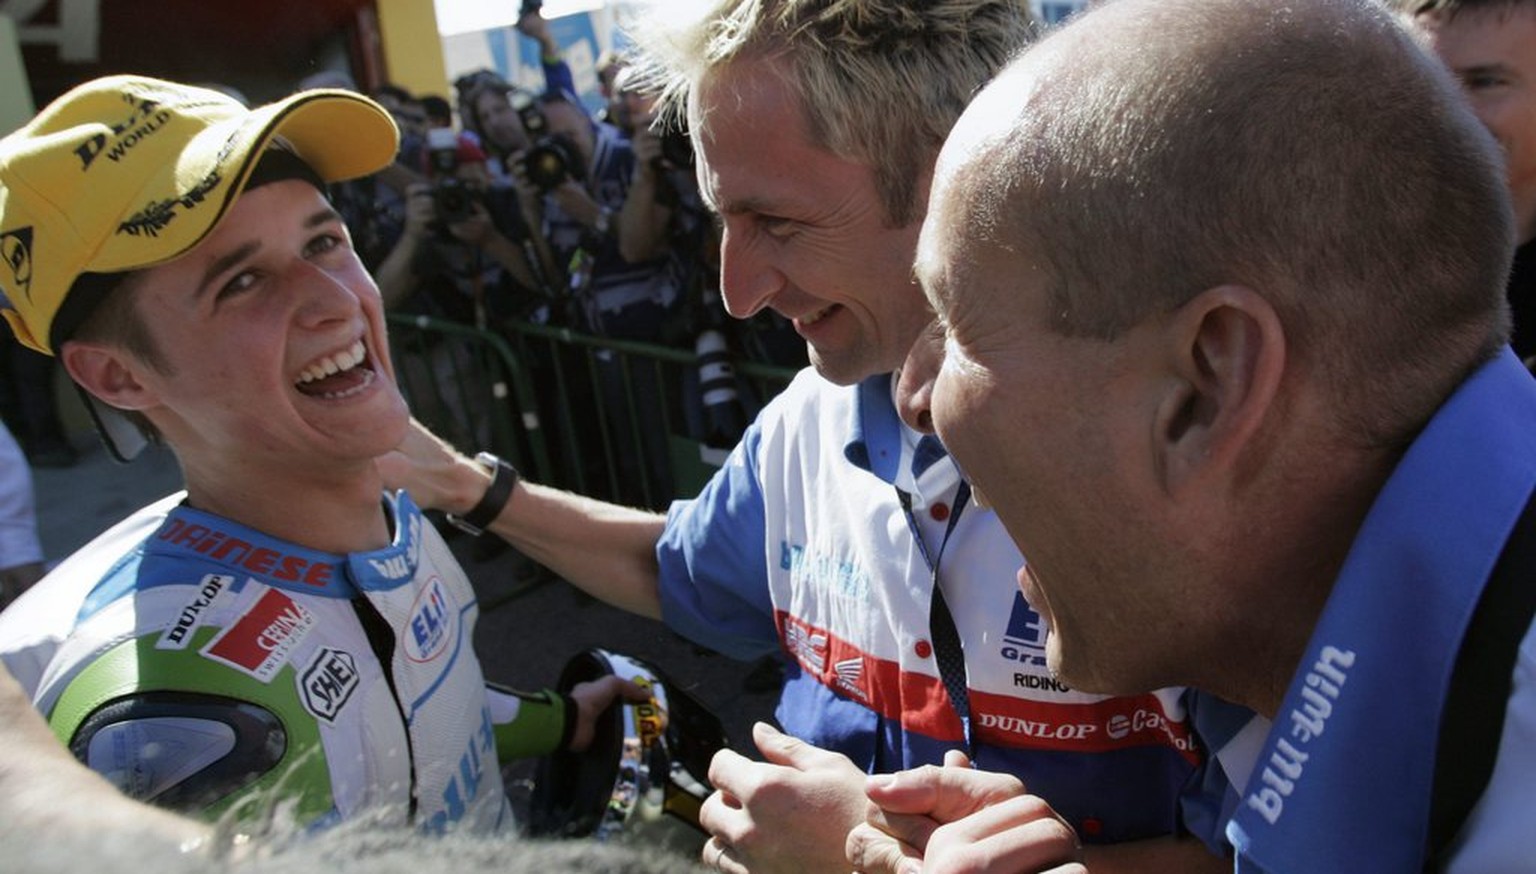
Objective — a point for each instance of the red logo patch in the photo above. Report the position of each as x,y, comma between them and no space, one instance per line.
260,642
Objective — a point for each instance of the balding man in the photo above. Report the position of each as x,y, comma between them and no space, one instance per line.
1221,289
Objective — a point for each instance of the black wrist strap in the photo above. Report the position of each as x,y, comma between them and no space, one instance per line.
504,479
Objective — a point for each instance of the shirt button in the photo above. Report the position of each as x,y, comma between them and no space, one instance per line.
939,512
923,649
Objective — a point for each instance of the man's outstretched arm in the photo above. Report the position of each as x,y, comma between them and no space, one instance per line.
604,549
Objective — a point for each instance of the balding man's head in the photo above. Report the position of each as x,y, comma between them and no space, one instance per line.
1203,267
1309,150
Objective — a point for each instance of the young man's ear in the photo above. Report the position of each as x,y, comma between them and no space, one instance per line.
107,372
1227,352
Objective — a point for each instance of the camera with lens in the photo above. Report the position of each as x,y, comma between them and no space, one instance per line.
551,161
452,200
552,158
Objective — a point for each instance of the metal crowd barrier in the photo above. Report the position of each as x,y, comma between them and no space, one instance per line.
613,419
468,386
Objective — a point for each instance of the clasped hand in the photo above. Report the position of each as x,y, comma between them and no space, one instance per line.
954,818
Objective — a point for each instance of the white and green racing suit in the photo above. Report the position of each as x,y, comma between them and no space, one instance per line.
203,666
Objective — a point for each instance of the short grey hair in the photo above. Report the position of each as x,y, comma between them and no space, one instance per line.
1310,150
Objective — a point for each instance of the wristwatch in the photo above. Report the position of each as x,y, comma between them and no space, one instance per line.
504,479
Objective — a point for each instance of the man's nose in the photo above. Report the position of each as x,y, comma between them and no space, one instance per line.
320,295
914,383
747,280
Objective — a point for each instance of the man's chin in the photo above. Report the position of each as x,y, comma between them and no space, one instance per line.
1082,675
1053,658
1061,671
840,369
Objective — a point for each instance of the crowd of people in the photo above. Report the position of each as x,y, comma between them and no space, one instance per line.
1158,497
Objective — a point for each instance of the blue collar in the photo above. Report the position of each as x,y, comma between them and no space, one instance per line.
214,540
1345,778
876,433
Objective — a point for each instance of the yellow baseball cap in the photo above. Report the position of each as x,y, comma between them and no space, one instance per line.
125,172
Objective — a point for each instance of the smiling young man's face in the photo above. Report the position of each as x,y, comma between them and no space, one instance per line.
272,341
804,231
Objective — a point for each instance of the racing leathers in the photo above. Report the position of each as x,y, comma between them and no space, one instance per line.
204,666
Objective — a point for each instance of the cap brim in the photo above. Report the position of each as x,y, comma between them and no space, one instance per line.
341,134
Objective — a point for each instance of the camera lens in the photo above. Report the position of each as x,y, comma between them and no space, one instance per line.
452,202
550,162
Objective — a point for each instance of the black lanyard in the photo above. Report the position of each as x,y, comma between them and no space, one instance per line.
948,654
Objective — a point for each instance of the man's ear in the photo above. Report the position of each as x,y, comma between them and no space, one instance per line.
109,373
1228,353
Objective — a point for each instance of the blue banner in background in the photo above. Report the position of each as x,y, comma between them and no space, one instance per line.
499,42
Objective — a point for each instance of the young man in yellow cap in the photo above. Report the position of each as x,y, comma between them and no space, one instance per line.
286,630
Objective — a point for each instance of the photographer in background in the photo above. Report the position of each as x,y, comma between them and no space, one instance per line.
464,255
615,250
485,98
608,216
531,23
675,218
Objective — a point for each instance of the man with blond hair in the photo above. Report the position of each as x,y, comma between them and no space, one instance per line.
835,533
